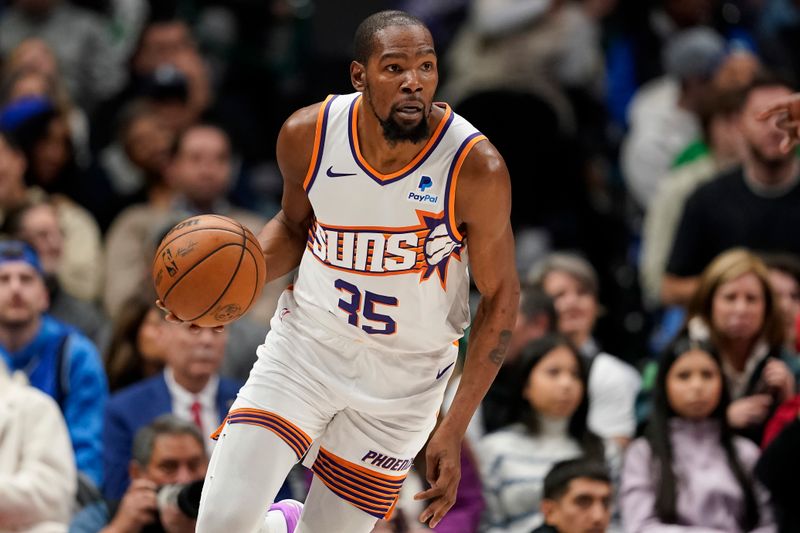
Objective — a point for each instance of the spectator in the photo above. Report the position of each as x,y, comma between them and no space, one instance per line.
40,135
37,469
572,284
138,347
167,451
56,358
778,470
722,149
31,70
735,310
577,498
36,222
550,426
134,166
188,387
166,63
689,471
80,40
663,114
200,172
752,206
784,277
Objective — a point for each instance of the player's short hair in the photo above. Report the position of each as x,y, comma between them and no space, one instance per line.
364,40
167,424
556,482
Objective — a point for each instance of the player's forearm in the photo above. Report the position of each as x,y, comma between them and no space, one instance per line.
488,342
283,242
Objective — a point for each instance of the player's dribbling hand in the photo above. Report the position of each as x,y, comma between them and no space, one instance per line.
443,459
170,317
787,112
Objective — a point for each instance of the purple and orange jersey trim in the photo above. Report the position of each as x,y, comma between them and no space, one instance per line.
414,164
292,435
319,142
372,492
452,180
427,223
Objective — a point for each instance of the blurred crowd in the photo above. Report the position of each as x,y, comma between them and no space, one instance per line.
651,380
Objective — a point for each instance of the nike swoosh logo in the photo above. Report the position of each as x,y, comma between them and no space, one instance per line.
332,174
445,369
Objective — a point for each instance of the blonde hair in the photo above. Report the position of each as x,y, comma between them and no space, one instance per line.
729,266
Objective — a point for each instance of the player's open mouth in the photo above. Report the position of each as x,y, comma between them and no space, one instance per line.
410,111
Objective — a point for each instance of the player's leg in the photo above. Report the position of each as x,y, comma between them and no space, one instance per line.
247,469
326,511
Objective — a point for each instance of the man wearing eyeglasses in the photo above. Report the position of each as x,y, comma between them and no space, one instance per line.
56,358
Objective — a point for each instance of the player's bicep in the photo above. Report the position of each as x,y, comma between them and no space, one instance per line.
294,152
483,208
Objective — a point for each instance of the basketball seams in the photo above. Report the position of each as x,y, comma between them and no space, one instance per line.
195,265
257,288
230,280
247,231
205,228
212,239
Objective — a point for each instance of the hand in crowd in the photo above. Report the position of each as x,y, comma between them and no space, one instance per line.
787,112
137,509
749,410
779,379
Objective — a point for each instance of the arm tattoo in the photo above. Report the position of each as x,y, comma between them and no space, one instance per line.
498,354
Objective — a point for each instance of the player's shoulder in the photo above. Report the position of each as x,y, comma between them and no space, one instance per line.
304,120
482,175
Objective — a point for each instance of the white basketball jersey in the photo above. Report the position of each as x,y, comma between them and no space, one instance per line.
385,263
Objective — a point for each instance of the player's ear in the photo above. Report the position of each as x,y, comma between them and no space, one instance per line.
357,75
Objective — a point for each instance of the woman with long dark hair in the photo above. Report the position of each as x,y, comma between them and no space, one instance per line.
689,470
549,426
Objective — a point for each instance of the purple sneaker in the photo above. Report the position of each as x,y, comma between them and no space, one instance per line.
291,510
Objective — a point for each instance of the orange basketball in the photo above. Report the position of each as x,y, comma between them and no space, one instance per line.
209,270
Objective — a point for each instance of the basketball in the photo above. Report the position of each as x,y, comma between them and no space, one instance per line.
209,270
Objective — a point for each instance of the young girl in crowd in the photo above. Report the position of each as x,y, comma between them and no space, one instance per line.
689,472
550,427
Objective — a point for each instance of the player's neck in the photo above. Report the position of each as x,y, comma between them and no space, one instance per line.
389,156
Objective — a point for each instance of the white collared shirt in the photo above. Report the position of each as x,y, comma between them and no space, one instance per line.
182,401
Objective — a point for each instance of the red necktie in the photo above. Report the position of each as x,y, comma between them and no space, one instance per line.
196,410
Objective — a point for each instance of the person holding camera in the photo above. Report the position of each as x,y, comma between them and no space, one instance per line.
168,466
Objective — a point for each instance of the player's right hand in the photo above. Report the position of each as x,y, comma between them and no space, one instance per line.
170,317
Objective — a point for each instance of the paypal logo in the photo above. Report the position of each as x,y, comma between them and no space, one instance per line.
425,183
425,198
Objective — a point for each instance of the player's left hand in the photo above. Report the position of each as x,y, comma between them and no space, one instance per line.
443,458
170,317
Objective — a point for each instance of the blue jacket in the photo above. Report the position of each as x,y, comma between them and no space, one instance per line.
133,408
63,363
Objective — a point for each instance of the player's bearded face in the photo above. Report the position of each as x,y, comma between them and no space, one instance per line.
397,130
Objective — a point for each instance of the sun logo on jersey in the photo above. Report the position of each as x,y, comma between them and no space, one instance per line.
425,248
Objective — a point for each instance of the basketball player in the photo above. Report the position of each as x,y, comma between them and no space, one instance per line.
387,198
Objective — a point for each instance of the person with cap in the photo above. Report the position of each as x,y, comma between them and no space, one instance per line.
663,114
56,358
